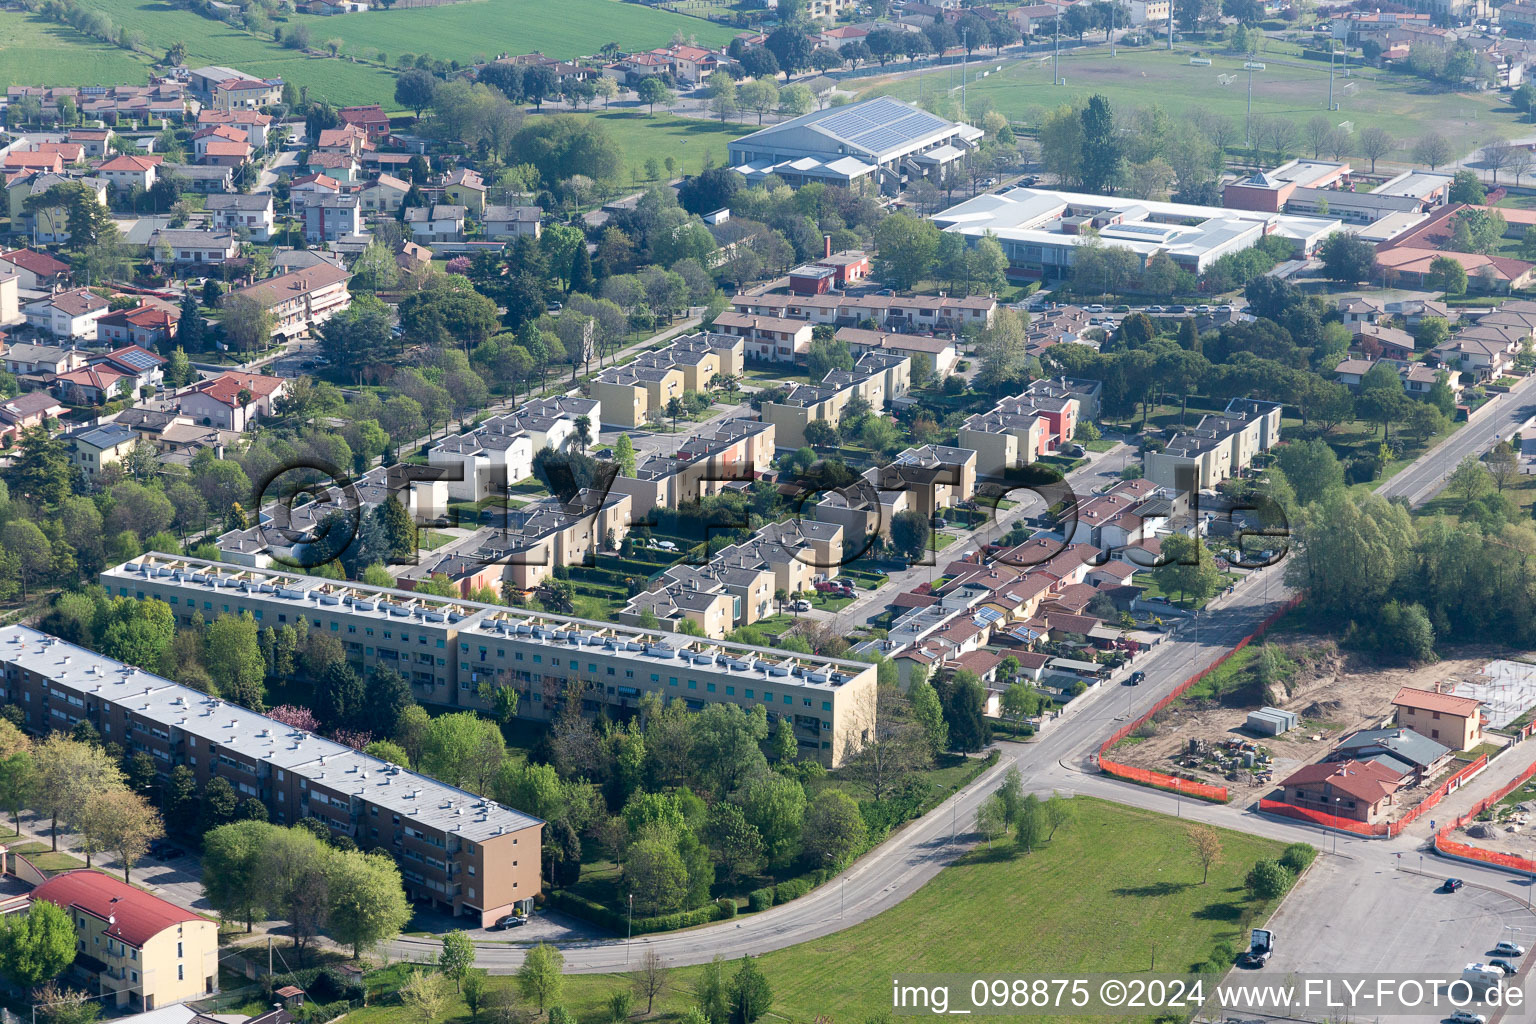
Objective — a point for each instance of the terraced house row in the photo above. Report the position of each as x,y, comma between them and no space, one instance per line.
446,648
462,852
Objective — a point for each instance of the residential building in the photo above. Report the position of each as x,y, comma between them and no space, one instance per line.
96,448
190,247
1415,757
145,325
440,222
46,224
251,214
41,360
348,139
457,851
728,454
342,167
71,315
795,551
1218,448
1022,428
499,452
134,948
301,299
877,377
370,117
940,351
715,598
1457,722
512,221
329,216
36,271
28,410
884,141
922,480
233,400
10,299
637,392
202,177
465,188
221,145
254,125
767,338
1405,259
383,195
95,384
1361,791
1039,230
124,171
910,313
1150,12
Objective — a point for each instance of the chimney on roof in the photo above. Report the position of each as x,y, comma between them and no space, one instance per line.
827,241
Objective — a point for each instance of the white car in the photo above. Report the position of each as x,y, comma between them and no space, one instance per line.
1095,308
1509,949
1467,1017
801,606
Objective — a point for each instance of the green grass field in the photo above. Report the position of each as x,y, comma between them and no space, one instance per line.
993,912
686,140
38,52
1297,89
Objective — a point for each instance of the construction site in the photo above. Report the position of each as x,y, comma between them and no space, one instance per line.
1219,732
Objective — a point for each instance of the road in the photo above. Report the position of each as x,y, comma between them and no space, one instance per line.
1425,475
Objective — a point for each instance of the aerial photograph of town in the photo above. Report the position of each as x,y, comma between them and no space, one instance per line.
767,511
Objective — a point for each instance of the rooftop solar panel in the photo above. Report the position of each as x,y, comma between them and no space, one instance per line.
138,360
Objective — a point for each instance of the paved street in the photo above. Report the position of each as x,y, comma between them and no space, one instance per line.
1418,482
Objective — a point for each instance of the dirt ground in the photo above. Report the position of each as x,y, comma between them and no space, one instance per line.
1335,693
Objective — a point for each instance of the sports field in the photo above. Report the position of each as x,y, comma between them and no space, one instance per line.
1296,88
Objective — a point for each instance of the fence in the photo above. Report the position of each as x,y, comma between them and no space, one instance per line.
1380,829
1162,780
1508,861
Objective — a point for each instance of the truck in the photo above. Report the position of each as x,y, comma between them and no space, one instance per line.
1482,977
1259,949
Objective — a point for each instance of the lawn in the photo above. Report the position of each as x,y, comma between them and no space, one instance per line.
1297,89
38,52
687,140
1133,897
45,859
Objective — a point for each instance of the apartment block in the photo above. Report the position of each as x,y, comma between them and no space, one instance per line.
1021,428
731,452
1218,447
891,312
461,852
447,648
768,338
878,377
924,479
500,451
638,391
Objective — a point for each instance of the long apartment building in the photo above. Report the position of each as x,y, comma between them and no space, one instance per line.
1022,428
736,587
635,392
878,377
889,312
462,852
447,647
1218,448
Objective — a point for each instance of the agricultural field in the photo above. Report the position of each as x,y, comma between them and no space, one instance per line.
38,52
1298,89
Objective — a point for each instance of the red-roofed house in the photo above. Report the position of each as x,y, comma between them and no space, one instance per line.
28,410
370,118
231,401
34,161
145,325
92,385
1454,721
138,950
124,171
1358,790
35,270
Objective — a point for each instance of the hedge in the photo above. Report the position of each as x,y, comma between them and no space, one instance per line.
760,900
790,889
598,914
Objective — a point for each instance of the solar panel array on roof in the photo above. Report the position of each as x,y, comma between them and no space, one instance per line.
881,124
138,360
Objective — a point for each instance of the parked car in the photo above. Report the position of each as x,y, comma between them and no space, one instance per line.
1095,308
554,307
1121,309
1509,949
1224,308
1452,884
1467,1017
1178,309
1202,308
1503,965
1154,309
510,921
801,606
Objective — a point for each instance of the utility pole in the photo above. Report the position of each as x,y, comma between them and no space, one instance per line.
965,70
1112,28
1330,76
1056,56
1170,24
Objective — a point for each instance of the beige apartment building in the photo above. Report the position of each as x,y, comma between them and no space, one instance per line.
1218,447
878,377
731,452
632,394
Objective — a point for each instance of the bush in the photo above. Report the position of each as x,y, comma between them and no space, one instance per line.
760,900
1268,880
792,889
728,908
1297,857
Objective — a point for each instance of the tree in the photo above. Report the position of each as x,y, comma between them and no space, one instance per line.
1503,465
1446,274
1268,880
1020,702
1206,842
655,874
775,806
620,1004
963,697
653,90
121,821
1469,479
462,749
760,95
294,874
1311,468
834,829
368,904
1466,188
737,844
247,324
1431,149
720,87
651,978
1348,257
750,994
1189,568
540,977
234,659
1375,143
68,772
456,957
1030,830
232,875
425,996
826,355
910,532
1101,146
18,774
907,246
38,945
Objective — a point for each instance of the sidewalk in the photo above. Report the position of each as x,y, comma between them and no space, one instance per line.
1500,771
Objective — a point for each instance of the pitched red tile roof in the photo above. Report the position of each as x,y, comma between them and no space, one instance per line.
226,387
1428,700
38,263
125,162
100,376
1363,780
137,916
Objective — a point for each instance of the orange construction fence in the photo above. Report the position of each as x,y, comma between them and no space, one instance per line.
1444,844
1323,818
1162,780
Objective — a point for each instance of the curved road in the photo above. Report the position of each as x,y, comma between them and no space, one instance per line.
1061,760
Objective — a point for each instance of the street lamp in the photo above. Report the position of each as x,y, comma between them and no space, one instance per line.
630,928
